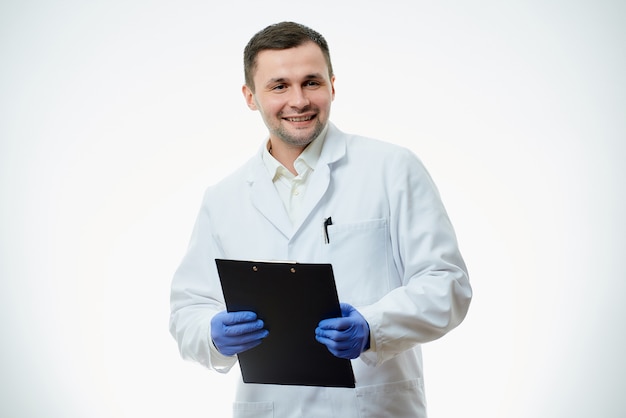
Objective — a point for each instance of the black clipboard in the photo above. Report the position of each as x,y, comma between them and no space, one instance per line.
291,298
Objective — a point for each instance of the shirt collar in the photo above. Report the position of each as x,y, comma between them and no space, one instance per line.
308,158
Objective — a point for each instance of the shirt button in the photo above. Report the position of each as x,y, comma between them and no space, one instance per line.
296,192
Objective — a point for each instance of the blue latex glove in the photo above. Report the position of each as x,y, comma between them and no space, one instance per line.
235,332
345,337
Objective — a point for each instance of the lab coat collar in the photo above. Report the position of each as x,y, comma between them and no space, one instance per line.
334,146
265,197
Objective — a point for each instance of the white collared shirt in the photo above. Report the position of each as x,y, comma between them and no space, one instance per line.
291,188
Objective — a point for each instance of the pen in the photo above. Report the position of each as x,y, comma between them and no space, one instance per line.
327,221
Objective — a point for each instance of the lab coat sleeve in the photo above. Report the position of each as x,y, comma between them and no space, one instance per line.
196,297
435,292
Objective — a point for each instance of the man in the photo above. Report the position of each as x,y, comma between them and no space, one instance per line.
399,274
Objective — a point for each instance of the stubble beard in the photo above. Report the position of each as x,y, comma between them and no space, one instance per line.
299,141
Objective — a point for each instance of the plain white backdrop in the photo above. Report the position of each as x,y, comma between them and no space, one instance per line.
115,115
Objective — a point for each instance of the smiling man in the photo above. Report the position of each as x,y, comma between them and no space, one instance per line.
314,194
292,89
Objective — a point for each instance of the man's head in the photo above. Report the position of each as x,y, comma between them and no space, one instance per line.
279,36
290,82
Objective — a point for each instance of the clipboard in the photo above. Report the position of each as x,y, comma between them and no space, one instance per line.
291,298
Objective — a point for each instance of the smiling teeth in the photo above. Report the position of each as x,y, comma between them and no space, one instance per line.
301,119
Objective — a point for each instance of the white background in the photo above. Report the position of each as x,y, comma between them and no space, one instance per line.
115,115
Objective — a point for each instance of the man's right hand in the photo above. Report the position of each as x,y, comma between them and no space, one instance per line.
235,332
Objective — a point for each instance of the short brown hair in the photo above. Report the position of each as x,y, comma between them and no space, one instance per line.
282,35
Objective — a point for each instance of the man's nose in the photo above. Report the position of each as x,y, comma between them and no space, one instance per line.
298,98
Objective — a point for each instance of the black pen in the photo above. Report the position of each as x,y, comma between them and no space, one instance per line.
327,221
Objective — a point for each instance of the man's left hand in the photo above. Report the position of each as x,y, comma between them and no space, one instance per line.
346,337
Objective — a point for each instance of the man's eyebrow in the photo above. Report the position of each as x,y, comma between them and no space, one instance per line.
275,80
314,76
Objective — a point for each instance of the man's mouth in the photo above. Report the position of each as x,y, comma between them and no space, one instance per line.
300,118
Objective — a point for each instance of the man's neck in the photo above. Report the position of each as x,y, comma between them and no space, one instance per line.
286,155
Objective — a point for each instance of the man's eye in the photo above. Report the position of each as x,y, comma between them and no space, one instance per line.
279,87
312,83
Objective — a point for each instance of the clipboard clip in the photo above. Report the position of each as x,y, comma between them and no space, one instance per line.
292,269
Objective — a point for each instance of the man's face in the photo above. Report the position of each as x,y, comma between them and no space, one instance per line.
293,93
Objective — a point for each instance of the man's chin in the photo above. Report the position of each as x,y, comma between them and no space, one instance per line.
299,137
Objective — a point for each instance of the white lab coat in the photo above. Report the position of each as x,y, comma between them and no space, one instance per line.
394,255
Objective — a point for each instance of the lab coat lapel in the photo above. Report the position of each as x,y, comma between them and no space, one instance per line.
265,199
333,150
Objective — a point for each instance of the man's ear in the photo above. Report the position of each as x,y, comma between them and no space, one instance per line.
249,97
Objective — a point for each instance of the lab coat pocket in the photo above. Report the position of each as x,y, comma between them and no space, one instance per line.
253,409
360,255
398,399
